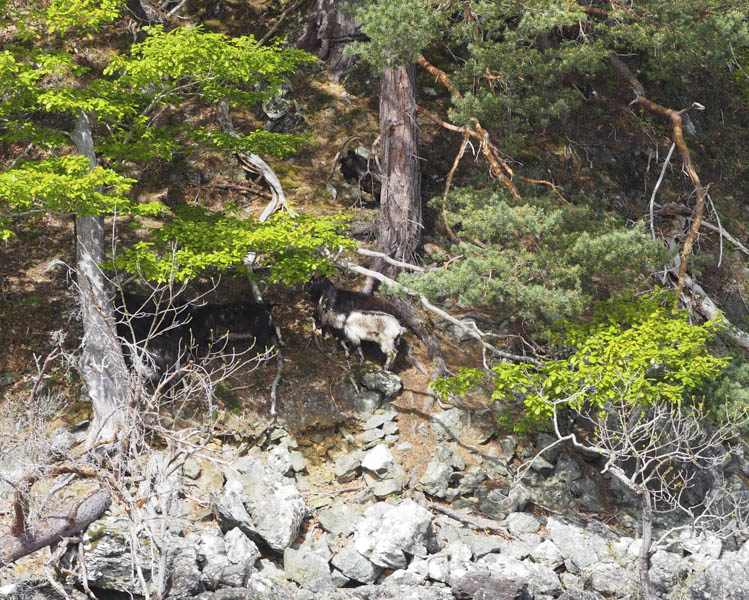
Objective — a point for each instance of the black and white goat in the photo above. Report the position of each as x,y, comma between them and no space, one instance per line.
355,317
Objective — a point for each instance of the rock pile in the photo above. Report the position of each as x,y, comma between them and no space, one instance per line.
259,532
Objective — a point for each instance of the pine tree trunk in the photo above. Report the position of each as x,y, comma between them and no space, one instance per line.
328,33
400,229
102,367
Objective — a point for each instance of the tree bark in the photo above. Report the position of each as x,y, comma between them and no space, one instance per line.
328,33
102,367
400,227
647,535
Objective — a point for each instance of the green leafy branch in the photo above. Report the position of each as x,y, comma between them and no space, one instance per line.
291,248
642,352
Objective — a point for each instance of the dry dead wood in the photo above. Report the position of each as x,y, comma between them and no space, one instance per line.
67,522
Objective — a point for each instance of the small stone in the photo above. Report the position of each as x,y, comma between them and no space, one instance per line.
308,569
508,445
347,466
519,523
447,456
366,402
542,466
355,566
436,479
370,437
390,428
339,579
340,519
547,552
379,460
298,462
387,384
380,419
448,424
320,501
191,468
382,488
481,545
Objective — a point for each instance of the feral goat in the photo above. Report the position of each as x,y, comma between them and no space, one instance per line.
151,336
156,339
355,317
239,321
360,326
359,169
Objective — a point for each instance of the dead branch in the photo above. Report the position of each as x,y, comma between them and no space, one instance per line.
277,24
678,135
553,187
497,166
37,384
657,185
239,188
726,235
448,183
72,520
705,305
476,522
392,261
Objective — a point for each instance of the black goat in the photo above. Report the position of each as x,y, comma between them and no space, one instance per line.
152,336
362,171
240,321
355,317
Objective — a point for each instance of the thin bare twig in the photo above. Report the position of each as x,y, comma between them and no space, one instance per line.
657,185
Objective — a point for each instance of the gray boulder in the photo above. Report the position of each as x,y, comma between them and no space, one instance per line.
340,519
727,579
347,466
580,547
485,585
387,384
109,561
355,566
575,594
389,535
397,592
519,523
308,569
499,503
448,424
273,502
436,479
183,579
666,570
611,581
541,579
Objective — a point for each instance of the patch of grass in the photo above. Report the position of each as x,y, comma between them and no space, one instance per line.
33,299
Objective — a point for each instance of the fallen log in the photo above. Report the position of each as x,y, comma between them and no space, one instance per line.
52,529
